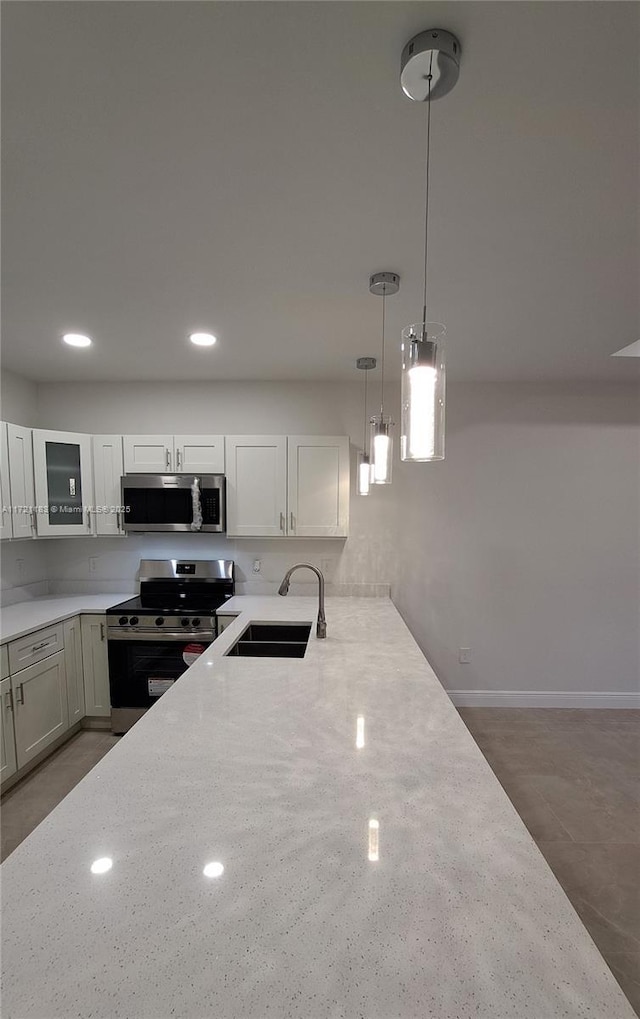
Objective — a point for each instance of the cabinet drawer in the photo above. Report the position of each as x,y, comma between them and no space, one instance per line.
29,650
4,661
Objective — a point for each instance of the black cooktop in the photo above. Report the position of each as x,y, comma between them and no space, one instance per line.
142,605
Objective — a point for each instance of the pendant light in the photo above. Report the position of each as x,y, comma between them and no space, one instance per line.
430,69
365,364
382,284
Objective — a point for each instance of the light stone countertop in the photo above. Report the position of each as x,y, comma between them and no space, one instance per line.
253,764
27,616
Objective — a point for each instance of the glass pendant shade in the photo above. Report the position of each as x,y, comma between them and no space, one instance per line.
423,392
381,449
364,474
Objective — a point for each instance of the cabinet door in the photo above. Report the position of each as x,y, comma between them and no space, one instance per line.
73,669
21,481
5,494
256,485
108,468
199,454
95,665
40,706
148,454
318,488
63,482
7,737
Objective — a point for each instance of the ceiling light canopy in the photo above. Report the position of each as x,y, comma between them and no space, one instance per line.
77,340
203,339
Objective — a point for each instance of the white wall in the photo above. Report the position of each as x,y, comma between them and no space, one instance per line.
19,400
23,571
362,564
523,545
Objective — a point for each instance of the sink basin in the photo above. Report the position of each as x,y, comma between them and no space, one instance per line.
272,640
280,632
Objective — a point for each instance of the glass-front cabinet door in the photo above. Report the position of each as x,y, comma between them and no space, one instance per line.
63,483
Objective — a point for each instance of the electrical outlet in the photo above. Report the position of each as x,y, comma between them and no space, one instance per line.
256,565
464,655
93,564
20,567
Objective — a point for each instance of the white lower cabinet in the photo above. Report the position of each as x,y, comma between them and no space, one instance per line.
8,765
95,666
224,621
73,667
41,713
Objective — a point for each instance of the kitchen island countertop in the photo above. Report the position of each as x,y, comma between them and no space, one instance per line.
364,859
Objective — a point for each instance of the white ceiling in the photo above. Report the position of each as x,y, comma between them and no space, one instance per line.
242,168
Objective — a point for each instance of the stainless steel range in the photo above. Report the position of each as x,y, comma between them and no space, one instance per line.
154,638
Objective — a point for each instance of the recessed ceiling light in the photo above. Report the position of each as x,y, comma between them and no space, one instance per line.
203,339
77,340
102,865
213,869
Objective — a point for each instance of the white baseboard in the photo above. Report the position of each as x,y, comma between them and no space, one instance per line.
541,699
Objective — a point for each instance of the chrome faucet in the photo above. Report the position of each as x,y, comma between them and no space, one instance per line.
321,627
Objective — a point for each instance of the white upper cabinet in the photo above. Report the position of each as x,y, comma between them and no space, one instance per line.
256,485
108,468
63,482
21,481
173,454
287,486
318,486
5,494
148,454
199,454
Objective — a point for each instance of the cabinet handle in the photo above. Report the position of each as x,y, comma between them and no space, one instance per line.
118,521
293,523
178,460
39,647
34,522
9,700
21,693
282,522
168,460
101,631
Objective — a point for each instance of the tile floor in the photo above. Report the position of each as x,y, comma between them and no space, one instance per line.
574,778
28,803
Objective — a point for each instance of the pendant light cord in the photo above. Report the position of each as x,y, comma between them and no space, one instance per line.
384,298
426,209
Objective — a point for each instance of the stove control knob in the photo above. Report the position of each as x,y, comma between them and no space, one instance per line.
123,620
159,620
195,622
185,622
133,621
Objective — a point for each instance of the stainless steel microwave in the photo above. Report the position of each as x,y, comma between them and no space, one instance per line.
173,502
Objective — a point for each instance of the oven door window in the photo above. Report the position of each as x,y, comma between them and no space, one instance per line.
141,671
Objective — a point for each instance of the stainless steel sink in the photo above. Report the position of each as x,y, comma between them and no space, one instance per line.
272,640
